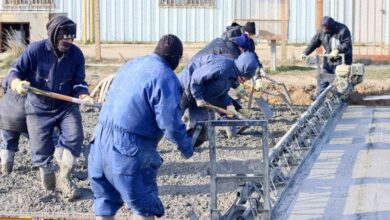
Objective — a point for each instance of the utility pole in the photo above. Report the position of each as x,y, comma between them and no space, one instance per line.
319,16
283,18
98,54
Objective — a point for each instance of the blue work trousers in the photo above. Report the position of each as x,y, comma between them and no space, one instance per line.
41,127
123,167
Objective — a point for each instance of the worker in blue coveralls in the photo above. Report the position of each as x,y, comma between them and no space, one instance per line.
12,124
142,105
208,79
335,37
56,65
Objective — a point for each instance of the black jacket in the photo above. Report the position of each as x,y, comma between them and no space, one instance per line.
219,46
337,31
12,111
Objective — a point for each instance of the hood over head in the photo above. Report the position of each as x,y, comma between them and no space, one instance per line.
247,64
329,23
60,27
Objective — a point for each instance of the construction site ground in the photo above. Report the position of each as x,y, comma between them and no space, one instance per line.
183,184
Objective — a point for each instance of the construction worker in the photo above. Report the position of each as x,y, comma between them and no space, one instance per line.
142,104
208,79
335,38
56,65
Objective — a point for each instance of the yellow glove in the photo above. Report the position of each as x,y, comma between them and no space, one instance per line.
86,98
262,73
259,86
303,57
247,113
232,109
334,53
200,103
19,86
185,119
240,91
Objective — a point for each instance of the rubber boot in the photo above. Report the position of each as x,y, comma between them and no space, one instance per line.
48,178
141,217
66,161
105,218
231,131
7,161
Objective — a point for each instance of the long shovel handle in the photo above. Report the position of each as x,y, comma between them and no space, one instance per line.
219,110
62,97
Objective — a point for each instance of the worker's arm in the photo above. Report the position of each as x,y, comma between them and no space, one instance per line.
168,115
315,42
80,87
199,77
345,41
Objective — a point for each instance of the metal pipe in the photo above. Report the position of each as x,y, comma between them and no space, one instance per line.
279,146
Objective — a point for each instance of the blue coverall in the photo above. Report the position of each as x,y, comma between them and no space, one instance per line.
209,78
143,103
40,66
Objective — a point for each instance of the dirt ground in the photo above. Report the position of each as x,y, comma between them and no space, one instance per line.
183,184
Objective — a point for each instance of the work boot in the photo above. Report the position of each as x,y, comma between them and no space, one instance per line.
141,217
48,178
66,161
105,217
7,161
231,131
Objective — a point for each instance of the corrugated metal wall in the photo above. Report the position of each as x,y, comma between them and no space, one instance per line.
302,18
145,21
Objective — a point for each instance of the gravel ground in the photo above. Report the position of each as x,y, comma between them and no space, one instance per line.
183,184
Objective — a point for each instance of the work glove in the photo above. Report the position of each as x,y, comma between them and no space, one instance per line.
19,86
240,91
232,109
247,113
262,73
303,57
259,86
334,53
200,103
86,98
185,119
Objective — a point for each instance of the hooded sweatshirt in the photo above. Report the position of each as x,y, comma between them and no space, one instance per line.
338,37
40,65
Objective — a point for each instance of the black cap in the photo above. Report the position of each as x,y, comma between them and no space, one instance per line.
170,48
169,45
234,24
250,27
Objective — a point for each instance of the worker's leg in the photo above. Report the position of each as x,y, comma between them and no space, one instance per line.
8,147
107,200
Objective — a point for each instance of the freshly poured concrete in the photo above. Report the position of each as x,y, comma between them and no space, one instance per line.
350,175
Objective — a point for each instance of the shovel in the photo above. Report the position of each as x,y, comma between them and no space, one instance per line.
62,97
